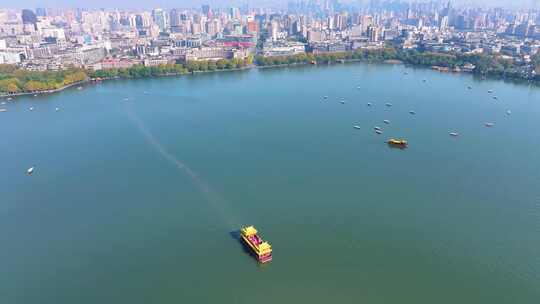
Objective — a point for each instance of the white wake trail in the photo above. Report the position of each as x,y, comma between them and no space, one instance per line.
215,201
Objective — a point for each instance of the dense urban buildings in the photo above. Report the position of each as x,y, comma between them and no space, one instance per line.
52,38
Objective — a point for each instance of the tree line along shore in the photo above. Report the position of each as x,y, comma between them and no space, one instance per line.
14,80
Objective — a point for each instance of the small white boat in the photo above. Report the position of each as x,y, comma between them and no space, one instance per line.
358,87
9,99
342,101
412,112
406,73
469,87
325,97
455,134
495,97
3,103
35,95
3,110
508,112
369,104
357,127
57,109
490,91
388,104
126,99
386,121
30,170
31,109
378,131
489,124
79,88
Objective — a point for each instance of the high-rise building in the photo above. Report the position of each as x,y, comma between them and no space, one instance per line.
139,24
373,33
159,18
443,24
174,18
252,27
206,11
28,17
234,13
41,12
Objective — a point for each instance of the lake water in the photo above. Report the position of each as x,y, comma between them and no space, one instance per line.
136,201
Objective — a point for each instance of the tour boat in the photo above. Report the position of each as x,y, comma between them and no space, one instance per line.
386,121
30,170
489,124
261,249
356,127
455,134
397,142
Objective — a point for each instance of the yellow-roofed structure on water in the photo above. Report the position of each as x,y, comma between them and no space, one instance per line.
261,249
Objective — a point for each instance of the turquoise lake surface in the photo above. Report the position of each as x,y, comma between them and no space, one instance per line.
140,185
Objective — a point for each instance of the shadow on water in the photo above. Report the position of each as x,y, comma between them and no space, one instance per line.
396,147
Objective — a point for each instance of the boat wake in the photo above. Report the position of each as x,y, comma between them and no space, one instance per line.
215,201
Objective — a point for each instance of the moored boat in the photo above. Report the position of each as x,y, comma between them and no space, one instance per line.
3,110
398,142
455,134
30,170
357,127
388,104
489,124
386,121
378,131
261,249
369,104
412,112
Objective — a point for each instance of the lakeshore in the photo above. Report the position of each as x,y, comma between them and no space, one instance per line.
253,66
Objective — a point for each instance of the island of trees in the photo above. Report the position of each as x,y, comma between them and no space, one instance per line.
14,80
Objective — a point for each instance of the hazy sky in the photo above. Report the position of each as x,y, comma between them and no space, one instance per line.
193,3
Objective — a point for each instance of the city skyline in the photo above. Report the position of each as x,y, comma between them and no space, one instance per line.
123,4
